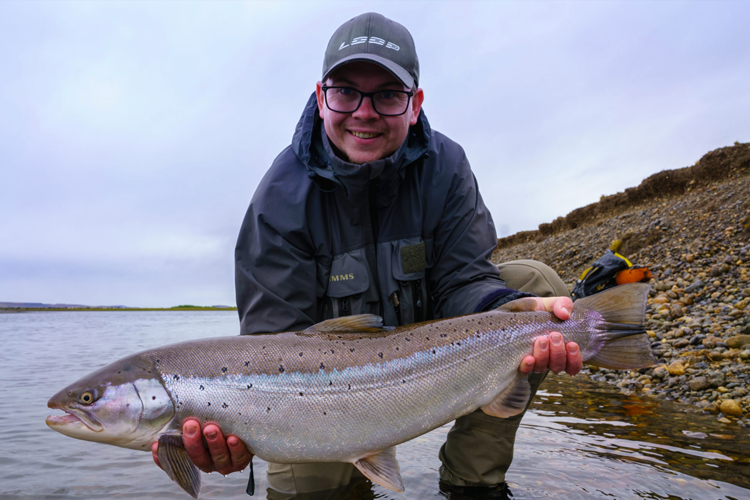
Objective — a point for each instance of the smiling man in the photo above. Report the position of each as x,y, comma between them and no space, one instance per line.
370,210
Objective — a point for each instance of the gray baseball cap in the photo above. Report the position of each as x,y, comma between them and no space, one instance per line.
374,38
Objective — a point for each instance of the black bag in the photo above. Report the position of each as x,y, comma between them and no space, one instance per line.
601,275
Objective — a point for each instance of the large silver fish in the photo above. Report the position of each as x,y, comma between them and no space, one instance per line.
344,390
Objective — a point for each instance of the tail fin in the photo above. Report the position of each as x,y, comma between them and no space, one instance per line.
623,308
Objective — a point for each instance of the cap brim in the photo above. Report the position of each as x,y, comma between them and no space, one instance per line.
391,66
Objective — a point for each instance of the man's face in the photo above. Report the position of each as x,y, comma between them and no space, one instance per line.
364,135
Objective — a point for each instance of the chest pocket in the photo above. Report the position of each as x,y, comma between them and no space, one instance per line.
410,296
347,283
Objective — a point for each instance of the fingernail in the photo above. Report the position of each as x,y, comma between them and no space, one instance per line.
572,349
232,441
543,344
556,338
211,434
191,430
566,310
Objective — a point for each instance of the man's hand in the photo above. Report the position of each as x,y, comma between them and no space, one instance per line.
550,352
222,455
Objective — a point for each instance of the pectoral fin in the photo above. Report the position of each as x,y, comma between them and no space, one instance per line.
512,400
382,469
176,463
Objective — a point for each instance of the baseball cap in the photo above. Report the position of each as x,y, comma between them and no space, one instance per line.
375,38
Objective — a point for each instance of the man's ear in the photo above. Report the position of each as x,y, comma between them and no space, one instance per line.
321,98
416,106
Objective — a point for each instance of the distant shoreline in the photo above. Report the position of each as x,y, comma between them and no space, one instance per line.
111,309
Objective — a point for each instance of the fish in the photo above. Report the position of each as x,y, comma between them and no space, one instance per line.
343,390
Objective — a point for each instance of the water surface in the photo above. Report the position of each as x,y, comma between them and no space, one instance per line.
580,440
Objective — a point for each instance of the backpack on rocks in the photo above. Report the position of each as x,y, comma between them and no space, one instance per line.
609,270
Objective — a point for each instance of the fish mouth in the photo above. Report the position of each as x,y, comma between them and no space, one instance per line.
73,417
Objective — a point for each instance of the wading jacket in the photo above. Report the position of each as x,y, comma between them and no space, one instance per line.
406,237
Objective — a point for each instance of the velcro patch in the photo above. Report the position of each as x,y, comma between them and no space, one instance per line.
413,258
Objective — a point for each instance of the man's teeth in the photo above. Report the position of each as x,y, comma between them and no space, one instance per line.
364,135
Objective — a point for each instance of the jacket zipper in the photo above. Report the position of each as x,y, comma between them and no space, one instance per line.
418,309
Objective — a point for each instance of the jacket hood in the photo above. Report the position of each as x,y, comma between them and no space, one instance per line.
311,146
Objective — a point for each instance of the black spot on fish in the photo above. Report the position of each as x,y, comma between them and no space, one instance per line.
350,386
249,386
443,335
458,343
209,404
380,354
300,354
177,377
324,413
332,351
351,349
397,348
264,347
301,393
224,370
330,382
268,409
408,339
247,363
153,398
403,381
433,351
202,388
281,369
427,338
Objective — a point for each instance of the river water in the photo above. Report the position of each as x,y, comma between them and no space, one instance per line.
580,440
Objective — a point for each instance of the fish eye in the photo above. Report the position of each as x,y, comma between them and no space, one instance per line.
86,397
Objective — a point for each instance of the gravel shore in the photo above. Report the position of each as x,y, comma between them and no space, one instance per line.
691,228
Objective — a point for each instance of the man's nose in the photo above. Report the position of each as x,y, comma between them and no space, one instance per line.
366,110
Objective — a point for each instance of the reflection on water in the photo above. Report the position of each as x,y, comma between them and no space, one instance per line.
581,440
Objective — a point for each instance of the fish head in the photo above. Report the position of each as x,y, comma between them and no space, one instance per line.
123,404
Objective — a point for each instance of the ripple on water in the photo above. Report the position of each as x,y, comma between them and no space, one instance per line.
581,439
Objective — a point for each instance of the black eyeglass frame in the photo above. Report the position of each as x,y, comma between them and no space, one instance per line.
362,96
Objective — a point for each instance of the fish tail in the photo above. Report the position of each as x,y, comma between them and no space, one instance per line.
624,342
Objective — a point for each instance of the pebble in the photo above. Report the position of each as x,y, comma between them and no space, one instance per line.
699,384
731,407
698,313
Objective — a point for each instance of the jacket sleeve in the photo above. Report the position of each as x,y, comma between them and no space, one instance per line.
275,271
463,280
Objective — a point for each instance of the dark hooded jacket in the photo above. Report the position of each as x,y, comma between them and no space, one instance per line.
406,237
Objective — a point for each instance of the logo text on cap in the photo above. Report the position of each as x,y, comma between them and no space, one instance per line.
373,39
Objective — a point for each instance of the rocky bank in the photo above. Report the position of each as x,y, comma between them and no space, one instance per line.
691,227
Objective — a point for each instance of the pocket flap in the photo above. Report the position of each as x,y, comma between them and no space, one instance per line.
348,274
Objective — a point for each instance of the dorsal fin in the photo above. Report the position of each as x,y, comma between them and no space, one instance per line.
349,324
382,468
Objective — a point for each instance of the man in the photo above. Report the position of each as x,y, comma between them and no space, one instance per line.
371,211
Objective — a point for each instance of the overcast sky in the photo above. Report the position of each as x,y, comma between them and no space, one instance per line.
133,134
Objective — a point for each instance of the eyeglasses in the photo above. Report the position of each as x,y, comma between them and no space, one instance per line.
384,102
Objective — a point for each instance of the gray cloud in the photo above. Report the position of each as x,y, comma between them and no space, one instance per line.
132,135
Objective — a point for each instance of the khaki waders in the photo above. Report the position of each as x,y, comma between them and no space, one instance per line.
479,448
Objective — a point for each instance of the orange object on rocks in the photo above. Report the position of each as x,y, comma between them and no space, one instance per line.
633,275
